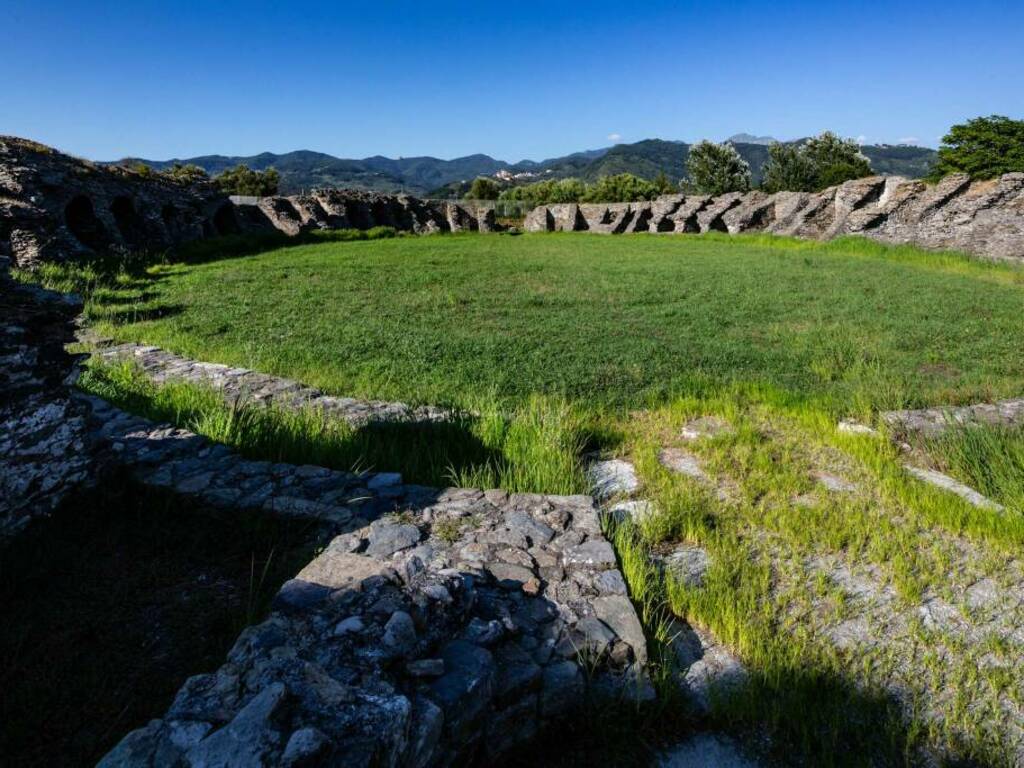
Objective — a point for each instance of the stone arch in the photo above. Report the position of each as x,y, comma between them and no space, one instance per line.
80,218
224,220
130,224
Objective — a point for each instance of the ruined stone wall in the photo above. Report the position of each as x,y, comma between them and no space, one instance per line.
44,449
55,208
984,218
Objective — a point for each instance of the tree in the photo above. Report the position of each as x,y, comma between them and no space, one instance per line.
787,168
663,184
819,162
715,169
242,180
187,173
984,147
835,160
483,188
620,188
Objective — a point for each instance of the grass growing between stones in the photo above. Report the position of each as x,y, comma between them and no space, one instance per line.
879,619
537,447
989,459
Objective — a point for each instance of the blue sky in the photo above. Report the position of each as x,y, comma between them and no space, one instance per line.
511,79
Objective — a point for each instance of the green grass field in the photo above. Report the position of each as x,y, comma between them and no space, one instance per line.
557,345
617,321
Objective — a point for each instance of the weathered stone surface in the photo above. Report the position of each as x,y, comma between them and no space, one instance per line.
394,646
687,564
45,448
930,422
612,478
241,385
54,207
707,750
947,483
985,218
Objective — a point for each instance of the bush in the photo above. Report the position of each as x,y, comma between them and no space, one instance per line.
483,189
242,180
984,148
620,188
820,162
187,174
715,169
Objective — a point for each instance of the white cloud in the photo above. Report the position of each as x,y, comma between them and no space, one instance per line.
910,140
862,139
614,136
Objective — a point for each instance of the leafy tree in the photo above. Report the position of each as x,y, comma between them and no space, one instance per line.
788,168
717,168
984,147
835,160
547,191
620,188
483,189
820,162
663,184
187,173
242,180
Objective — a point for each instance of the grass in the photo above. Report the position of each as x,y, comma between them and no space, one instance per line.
536,446
111,604
556,345
616,321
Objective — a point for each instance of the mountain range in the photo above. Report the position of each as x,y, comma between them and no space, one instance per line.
430,176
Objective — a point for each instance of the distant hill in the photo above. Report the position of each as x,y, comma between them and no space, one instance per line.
431,176
746,138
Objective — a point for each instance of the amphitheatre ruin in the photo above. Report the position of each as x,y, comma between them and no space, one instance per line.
707,489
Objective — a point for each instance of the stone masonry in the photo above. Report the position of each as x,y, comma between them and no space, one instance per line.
984,218
54,208
241,385
437,627
44,447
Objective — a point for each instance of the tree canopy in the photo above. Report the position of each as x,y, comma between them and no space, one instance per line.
820,162
483,188
242,180
715,169
984,147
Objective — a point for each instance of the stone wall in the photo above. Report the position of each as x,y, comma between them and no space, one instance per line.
44,449
55,208
985,218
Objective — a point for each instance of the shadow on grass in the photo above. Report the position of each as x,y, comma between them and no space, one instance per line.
115,601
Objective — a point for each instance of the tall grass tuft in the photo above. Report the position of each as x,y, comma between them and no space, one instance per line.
988,458
533,448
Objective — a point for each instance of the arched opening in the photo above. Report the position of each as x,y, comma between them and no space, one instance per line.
80,218
173,221
224,220
129,223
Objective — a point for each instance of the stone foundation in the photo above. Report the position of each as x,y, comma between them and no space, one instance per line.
984,218
439,626
44,447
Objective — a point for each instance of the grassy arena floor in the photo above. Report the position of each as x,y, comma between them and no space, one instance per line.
859,613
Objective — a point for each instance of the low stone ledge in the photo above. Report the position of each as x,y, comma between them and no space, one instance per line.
930,422
241,385
984,218
448,631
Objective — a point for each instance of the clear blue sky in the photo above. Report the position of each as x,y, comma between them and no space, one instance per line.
511,79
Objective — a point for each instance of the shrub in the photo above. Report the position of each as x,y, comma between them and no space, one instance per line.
242,180
717,168
620,188
819,162
984,147
483,189
187,174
